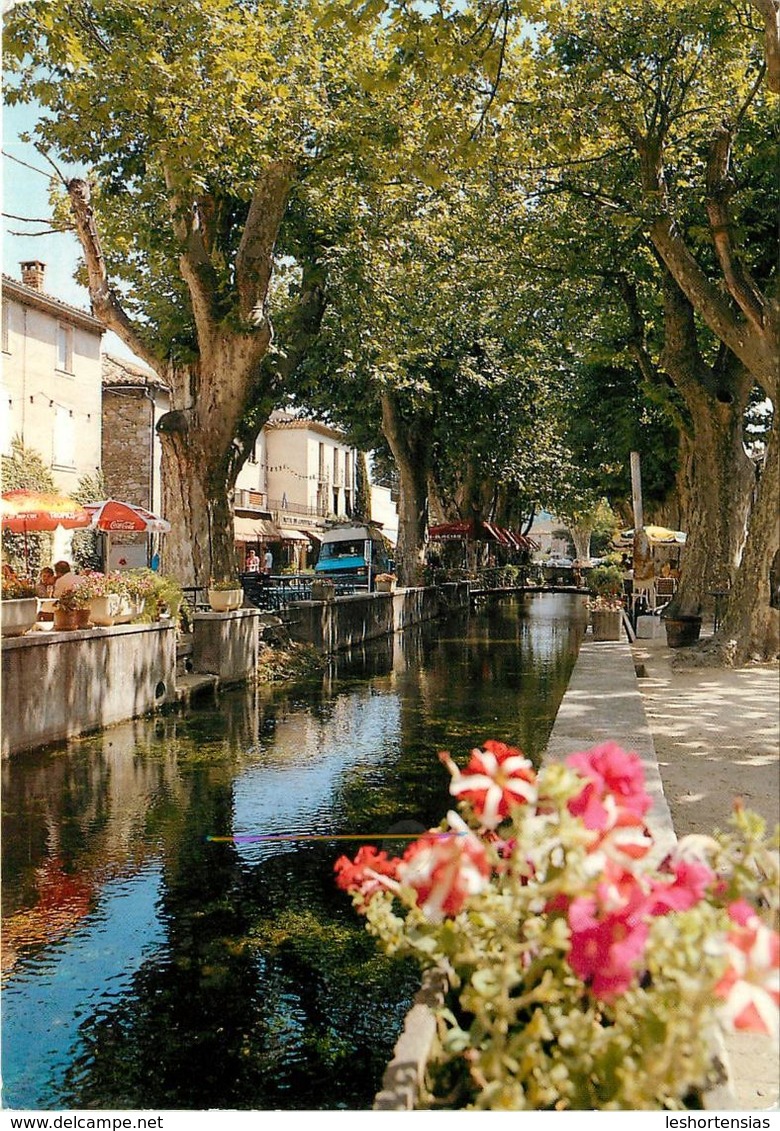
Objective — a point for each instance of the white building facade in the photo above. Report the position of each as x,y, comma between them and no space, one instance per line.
51,379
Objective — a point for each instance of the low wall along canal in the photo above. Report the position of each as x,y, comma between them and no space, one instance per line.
146,966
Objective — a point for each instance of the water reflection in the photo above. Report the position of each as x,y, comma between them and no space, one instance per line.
148,967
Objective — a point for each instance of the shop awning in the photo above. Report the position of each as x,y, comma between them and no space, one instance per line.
256,529
293,535
447,530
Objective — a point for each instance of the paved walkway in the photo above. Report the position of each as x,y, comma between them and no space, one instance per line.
705,737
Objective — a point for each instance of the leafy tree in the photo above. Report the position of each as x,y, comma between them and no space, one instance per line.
25,468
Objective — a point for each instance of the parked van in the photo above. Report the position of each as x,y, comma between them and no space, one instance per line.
351,551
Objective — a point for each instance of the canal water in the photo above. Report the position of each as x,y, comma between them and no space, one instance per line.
146,966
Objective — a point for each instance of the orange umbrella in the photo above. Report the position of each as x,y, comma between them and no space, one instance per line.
24,510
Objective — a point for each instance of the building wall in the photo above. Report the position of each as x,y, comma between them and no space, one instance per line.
52,396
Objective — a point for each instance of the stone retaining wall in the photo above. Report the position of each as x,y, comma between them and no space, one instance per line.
346,622
60,684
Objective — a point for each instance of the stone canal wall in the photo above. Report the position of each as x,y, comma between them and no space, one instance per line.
346,622
59,684
56,685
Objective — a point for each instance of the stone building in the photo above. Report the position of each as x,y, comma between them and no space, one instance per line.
134,399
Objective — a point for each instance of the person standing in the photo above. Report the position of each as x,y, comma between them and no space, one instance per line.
268,561
252,562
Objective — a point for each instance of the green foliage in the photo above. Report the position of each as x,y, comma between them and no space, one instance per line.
605,581
25,468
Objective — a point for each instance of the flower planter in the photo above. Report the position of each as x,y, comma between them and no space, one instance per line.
82,617
103,611
606,624
682,631
385,586
225,600
66,620
19,615
323,591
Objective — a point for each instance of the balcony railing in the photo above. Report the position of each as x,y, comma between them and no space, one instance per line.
276,508
250,500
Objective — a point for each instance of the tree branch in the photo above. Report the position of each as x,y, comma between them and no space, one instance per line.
254,261
105,303
770,10
194,261
719,188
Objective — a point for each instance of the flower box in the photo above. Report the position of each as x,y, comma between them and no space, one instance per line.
682,631
385,585
585,969
104,610
18,616
606,623
323,591
225,600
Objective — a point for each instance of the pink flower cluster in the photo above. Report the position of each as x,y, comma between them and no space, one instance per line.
609,923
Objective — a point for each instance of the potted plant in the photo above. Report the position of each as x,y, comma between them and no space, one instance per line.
682,630
385,582
225,595
19,606
583,968
322,589
102,602
68,608
606,602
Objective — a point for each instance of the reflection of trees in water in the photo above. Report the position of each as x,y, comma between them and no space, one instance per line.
268,992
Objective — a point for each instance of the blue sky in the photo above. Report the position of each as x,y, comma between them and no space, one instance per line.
25,193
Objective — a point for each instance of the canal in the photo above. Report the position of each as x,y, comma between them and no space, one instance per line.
145,966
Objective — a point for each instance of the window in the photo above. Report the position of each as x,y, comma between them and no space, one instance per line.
64,348
64,454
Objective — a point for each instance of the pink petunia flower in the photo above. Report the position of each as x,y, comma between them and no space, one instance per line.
611,773
496,779
445,870
608,934
750,988
686,887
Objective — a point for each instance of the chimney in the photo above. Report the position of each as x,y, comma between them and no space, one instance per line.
32,274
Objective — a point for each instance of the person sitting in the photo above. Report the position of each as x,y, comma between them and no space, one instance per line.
9,573
66,579
45,586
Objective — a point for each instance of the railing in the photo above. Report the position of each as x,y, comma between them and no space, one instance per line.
275,593
275,505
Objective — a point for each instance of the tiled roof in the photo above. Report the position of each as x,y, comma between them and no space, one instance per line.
51,305
120,371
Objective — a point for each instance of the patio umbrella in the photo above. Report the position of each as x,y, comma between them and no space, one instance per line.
114,517
26,511
660,535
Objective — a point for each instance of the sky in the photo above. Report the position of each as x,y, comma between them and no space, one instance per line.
25,193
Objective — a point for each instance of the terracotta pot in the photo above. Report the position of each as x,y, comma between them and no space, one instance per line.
82,617
66,620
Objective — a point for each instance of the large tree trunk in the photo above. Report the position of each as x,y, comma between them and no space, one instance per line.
717,477
717,474
750,626
411,448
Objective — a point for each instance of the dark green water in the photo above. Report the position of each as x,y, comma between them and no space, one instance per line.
148,968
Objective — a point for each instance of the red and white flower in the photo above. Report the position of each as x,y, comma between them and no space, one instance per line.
608,934
370,872
445,869
751,985
496,779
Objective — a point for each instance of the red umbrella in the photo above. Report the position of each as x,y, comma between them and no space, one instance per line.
116,517
25,510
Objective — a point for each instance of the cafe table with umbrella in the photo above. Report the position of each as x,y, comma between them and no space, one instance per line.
115,517
27,511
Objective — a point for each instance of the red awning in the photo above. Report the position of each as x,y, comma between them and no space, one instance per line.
448,530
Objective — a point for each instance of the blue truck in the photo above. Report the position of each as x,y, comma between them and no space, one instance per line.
355,551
